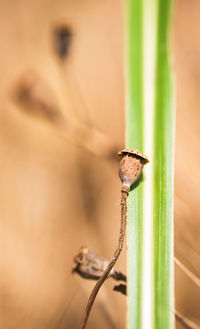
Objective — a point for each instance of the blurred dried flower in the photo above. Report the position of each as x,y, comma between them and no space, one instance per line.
62,37
36,97
91,266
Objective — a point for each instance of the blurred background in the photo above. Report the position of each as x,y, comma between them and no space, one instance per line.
61,124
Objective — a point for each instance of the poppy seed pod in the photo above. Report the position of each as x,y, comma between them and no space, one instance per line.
131,166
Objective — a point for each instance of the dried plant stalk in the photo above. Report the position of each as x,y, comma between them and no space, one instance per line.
130,169
124,194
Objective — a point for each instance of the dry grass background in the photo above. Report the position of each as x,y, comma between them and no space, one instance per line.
59,187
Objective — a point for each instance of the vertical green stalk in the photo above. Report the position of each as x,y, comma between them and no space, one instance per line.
163,176
134,122
149,127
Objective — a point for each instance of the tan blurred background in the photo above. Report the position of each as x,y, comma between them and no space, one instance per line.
61,122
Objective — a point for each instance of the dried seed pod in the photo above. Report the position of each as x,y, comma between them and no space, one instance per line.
91,266
62,38
131,166
36,98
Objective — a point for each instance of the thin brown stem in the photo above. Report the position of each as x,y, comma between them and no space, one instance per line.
104,276
186,323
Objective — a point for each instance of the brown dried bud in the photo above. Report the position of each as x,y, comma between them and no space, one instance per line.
91,266
131,166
